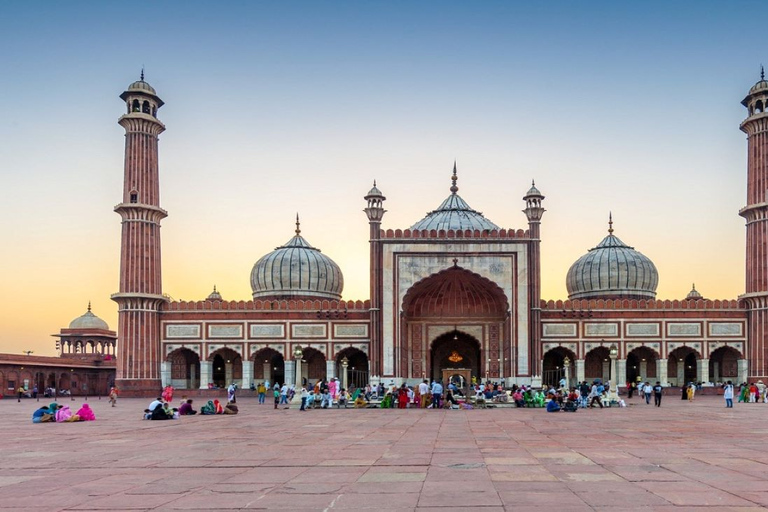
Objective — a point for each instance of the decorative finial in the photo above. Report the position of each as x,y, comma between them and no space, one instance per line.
762,72
374,183
454,188
694,286
610,223
89,306
214,288
533,183
298,224
455,262
142,73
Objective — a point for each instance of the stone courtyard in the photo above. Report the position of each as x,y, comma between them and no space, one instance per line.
682,456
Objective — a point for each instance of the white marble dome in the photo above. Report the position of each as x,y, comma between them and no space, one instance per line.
296,270
88,321
612,269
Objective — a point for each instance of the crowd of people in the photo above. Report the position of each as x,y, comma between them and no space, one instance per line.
58,413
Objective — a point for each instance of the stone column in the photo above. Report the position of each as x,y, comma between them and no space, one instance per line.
227,374
330,370
165,373
205,373
743,365
681,372
716,371
644,370
298,381
290,372
567,377
247,374
621,374
606,370
580,370
661,371
702,370
268,371
192,376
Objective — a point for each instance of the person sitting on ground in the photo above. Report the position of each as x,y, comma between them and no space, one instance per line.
159,413
218,407
209,408
157,402
450,400
571,406
553,406
43,415
360,402
86,413
387,403
186,409
343,399
231,408
64,415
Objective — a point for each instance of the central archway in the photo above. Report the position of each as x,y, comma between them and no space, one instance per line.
454,308
454,350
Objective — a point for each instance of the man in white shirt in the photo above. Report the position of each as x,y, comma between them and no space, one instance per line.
423,394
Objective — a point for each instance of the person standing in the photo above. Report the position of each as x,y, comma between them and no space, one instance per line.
728,394
691,391
262,391
657,393
437,394
424,394
283,391
276,392
113,395
304,396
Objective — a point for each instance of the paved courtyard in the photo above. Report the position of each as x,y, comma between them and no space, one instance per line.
683,456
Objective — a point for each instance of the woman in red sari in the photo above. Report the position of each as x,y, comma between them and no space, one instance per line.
402,397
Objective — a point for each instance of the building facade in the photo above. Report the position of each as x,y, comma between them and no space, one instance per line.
454,293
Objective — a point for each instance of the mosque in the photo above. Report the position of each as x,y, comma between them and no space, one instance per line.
453,294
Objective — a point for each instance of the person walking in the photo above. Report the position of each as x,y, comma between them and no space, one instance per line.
424,394
113,396
691,391
728,394
262,391
21,391
276,392
657,393
647,390
304,396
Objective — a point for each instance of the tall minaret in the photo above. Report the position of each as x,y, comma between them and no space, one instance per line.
756,215
534,211
375,212
141,292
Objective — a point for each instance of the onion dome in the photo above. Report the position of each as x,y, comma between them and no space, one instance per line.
761,88
142,87
88,321
454,213
296,270
614,270
215,295
374,192
694,294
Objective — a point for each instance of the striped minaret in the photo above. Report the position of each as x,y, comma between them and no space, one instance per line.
756,215
141,291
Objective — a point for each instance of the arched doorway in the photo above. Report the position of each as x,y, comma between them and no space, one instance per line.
185,369
313,366
554,367
269,365
597,365
641,365
476,307
357,367
681,365
227,367
724,365
455,350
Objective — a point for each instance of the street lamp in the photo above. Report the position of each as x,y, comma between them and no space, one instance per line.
344,365
614,352
298,353
567,368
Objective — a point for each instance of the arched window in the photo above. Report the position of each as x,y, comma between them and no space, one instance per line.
758,107
134,197
136,107
145,107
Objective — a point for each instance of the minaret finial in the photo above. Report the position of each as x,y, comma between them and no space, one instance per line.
142,72
533,183
214,288
610,223
454,188
374,183
298,225
694,286
89,306
762,72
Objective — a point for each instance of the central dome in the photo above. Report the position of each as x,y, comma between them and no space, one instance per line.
612,270
454,213
296,270
88,321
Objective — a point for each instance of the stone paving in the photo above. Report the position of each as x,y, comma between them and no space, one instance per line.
682,456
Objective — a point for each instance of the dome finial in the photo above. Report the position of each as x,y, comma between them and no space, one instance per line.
89,306
374,183
142,72
454,188
298,225
762,72
610,223
214,288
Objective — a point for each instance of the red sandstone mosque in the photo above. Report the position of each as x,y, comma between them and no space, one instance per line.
454,293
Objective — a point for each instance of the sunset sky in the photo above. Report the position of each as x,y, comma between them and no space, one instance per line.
284,107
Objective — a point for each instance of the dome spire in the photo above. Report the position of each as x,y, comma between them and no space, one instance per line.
762,72
142,73
298,225
610,223
454,188
89,306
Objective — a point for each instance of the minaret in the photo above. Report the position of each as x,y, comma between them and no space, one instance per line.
141,293
756,215
375,212
534,211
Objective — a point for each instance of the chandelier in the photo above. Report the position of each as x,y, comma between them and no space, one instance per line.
455,357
